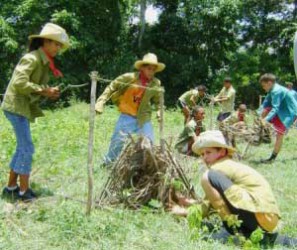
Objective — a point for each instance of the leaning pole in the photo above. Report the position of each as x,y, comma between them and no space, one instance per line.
94,78
295,53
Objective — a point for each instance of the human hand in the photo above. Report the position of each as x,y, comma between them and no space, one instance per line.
99,108
263,122
179,211
52,93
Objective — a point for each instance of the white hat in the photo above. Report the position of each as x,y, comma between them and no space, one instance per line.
53,32
151,59
211,139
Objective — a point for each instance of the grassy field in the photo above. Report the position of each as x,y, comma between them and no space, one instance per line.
59,171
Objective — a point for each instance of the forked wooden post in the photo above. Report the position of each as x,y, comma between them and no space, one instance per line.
161,123
94,78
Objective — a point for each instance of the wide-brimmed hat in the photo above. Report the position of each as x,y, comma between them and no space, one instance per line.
151,59
53,32
211,139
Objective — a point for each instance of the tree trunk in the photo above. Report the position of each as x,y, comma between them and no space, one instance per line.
295,10
142,23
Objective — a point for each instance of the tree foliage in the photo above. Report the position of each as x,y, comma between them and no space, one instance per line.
200,41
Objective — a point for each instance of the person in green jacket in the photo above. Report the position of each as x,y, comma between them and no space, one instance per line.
191,131
234,189
226,98
240,195
21,102
192,98
134,94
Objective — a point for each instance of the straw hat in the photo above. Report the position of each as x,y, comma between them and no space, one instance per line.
211,139
53,32
151,59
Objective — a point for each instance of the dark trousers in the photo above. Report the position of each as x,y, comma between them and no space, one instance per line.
249,222
222,116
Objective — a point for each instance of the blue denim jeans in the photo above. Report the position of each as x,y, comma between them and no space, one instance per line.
126,125
21,162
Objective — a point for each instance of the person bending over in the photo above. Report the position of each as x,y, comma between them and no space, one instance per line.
190,132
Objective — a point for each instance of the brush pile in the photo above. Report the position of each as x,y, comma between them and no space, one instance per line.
144,173
256,134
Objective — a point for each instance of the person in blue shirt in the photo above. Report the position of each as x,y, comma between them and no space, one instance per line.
291,89
279,108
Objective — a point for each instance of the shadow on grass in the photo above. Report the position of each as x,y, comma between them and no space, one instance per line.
9,199
258,162
41,191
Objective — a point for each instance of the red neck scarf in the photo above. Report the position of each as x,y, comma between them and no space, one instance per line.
57,73
143,79
241,117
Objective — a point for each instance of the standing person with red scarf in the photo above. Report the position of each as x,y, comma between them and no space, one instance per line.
21,102
134,102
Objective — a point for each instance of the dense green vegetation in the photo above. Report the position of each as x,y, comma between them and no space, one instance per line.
57,219
199,40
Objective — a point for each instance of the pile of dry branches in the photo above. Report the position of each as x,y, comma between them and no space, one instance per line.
256,134
144,173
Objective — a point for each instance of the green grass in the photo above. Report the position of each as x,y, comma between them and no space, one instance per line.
59,171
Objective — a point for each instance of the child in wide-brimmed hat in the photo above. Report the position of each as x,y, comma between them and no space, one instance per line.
134,94
21,101
232,188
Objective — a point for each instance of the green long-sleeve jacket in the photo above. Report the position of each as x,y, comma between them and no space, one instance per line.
118,87
30,75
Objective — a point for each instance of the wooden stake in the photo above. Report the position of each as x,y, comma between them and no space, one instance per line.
161,124
211,113
94,78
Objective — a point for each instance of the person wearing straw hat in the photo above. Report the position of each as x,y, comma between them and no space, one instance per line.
278,108
235,190
134,94
21,101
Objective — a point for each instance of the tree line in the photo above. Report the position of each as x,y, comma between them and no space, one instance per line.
200,41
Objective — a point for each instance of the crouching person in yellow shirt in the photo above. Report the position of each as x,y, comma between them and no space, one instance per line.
232,188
